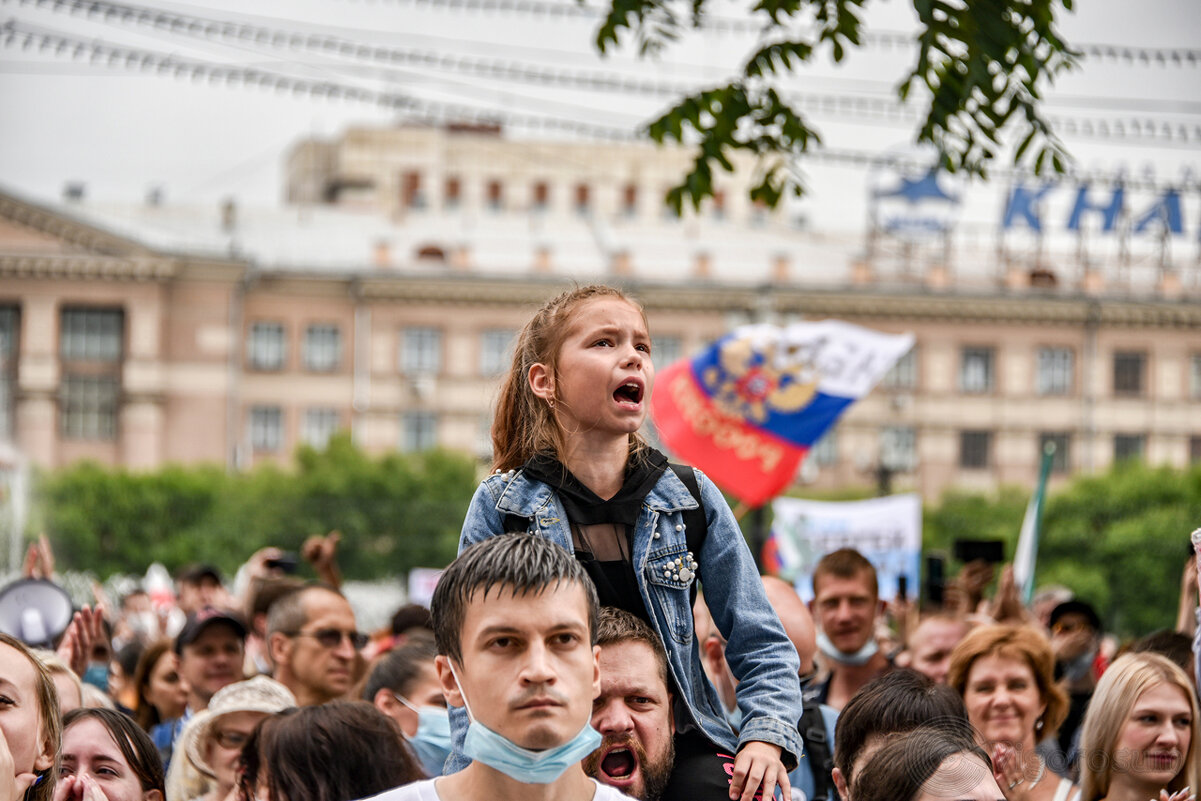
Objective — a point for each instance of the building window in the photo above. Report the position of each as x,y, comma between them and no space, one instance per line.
89,407
266,348
1128,446
421,351
824,452
322,347
541,199
666,350
92,335
410,188
318,426
91,345
496,351
719,204
898,449
974,449
629,200
266,429
419,431
495,196
1055,370
1060,460
1194,376
903,374
9,326
1128,369
583,200
976,371
1194,450
452,193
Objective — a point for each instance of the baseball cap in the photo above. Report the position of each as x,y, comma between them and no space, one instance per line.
200,620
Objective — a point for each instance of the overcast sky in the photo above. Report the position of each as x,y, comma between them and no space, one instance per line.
66,116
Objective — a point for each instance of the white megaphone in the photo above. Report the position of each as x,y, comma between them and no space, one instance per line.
35,611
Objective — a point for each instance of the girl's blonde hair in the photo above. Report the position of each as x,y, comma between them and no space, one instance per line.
50,725
524,424
1117,692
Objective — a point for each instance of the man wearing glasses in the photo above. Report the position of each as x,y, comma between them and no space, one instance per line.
314,643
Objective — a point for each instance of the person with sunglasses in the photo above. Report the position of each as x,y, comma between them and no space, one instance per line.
314,644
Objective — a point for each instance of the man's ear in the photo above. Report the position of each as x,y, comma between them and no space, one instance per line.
596,683
450,687
152,795
671,718
542,381
881,608
840,782
278,647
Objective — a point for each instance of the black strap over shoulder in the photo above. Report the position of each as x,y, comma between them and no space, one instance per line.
819,751
695,524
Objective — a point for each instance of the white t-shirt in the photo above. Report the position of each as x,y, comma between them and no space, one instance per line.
424,791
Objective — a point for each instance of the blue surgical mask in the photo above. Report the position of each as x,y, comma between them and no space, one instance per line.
860,657
432,740
97,676
530,767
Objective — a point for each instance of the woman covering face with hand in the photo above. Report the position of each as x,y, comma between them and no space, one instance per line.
106,757
29,726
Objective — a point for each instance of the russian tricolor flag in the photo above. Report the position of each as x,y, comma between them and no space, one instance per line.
748,408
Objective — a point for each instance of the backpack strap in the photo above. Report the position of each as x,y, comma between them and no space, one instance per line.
818,749
696,527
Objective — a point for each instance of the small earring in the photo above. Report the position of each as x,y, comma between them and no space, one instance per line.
551,403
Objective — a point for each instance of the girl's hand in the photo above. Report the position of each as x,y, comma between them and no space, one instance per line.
65,789
757,772
1180,795
80,787
15,790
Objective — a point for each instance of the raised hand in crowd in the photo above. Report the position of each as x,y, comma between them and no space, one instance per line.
1007,606
39,560
85,630
322,553
964,594
1186,615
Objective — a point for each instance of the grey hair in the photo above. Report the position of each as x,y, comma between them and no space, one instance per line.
521,563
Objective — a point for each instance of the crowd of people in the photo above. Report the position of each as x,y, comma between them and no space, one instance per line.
603,633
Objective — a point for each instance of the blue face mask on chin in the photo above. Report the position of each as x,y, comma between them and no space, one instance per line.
526,766
432,742
97,676
860,657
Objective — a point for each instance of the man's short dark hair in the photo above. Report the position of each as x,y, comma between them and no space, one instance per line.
523,563
846,563
287,614
400,667
410,616
1165,642
898,701
615,625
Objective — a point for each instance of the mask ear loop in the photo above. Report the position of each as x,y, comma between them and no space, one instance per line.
458,683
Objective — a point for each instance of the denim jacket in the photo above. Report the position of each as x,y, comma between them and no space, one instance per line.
758,651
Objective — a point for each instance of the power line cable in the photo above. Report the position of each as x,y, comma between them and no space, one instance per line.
97,52
1145,130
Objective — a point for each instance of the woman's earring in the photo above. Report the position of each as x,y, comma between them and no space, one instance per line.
551,403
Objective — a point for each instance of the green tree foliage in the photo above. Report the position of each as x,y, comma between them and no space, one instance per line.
979,71
395,512
1119,540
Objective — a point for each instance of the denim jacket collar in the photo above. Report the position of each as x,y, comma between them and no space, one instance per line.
526,497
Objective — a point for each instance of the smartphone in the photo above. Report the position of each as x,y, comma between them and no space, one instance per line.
991,551
285,563
934,580
903,587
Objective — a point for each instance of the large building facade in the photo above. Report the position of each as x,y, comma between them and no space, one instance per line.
385,301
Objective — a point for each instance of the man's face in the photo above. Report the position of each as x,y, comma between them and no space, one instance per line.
528,670
325,671
846,610
633,713
212,660
931,648
205,591
1072,635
